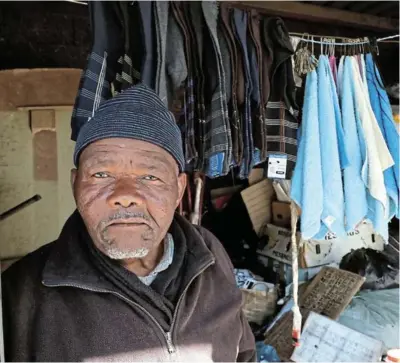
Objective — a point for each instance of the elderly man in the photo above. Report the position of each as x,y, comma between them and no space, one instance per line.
127,279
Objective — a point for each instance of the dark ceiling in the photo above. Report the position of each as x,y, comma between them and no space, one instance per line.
386,9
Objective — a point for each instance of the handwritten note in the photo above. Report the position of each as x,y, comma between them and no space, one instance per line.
325,340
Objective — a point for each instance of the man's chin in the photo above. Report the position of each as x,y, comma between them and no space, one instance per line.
123,254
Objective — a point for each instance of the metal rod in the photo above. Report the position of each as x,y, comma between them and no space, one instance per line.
20,206
353,42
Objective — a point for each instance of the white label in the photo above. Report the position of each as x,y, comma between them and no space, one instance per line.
277,166
329,220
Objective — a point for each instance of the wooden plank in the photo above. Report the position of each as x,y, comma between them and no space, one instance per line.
54,108
297,10
38,87
43,120
384,7
44,145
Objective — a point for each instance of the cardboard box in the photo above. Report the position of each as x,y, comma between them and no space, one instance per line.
281,214
258,199
317,253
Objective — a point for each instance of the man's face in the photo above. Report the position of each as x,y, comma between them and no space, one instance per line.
126,192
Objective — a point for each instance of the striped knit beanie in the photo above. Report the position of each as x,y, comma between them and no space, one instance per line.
136,113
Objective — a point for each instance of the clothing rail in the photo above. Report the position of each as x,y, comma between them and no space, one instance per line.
352,41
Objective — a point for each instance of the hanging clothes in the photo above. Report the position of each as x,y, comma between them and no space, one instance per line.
364,73
102,64
306,187
355,193
383,113
342,145
240,23
332,63
236,76
226,74
317,181
377,156
191,153
194,12
217,137
256,70
161,23
148,70
340,74
281,108
333,154
175,61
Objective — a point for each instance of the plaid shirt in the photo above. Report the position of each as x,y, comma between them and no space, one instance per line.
281,125
191,154
217,140
108,70
94,87
281,114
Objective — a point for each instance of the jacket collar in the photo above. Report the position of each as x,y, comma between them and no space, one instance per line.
69,264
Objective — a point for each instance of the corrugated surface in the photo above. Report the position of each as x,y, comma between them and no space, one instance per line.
386,9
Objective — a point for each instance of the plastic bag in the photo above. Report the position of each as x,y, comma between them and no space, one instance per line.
379,268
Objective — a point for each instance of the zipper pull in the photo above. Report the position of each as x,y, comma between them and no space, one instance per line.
171,348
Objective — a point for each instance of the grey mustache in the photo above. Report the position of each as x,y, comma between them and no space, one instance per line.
126,215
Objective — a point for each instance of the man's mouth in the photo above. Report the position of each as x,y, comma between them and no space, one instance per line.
128,223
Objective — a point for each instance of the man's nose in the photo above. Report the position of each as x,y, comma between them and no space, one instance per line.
125,195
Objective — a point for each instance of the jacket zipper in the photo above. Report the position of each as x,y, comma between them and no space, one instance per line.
167,335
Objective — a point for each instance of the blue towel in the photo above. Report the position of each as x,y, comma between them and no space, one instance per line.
333,205
307,189
343,152
383,113
356,207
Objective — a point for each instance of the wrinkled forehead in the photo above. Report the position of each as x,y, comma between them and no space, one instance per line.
120,151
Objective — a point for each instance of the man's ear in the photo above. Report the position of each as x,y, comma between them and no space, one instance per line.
74,175
182,180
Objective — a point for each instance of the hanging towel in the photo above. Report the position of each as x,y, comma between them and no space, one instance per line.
340,75
307,189
356,206
364,73
333,206
383,113
343,153
377,158
332,64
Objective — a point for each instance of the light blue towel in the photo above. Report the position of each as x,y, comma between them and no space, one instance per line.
307,188
383,113
343,153
355,202
375,208
333,205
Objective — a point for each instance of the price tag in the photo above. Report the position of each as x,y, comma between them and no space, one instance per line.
277,166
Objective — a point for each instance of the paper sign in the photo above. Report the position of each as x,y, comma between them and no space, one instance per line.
325,340
277,166
258,199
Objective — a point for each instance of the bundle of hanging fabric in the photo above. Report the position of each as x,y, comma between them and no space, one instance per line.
348,158
225,73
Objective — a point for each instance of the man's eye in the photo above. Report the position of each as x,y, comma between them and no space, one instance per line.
150,178
101,175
